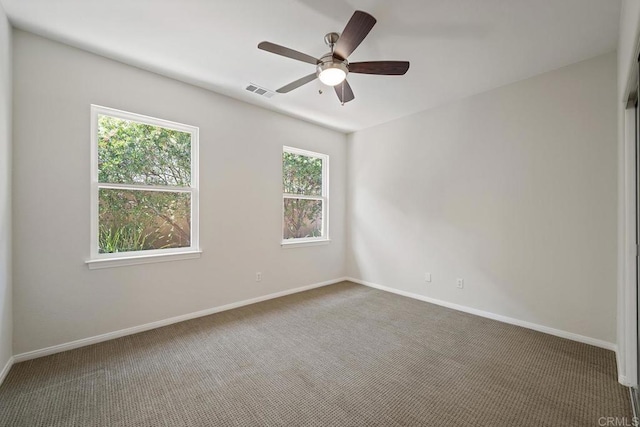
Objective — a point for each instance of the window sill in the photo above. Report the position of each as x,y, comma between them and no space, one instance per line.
299,244
95,264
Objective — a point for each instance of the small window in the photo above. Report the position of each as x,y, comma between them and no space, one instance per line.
144,191
305,185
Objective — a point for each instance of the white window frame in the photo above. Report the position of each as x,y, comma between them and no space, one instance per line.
308,241
104,260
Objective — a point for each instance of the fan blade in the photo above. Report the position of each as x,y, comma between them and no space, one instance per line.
344,88
356,30
289,53
388,68
294,85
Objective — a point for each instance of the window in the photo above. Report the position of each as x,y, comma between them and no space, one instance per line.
305,185
144,196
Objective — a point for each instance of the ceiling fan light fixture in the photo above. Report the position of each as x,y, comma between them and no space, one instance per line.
333,68
332,73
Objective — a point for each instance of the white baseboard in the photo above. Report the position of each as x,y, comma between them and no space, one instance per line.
489,315
624,381
622,378
153,325
160,323
5,370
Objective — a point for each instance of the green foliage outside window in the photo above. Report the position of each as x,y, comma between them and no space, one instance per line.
142,154
302,175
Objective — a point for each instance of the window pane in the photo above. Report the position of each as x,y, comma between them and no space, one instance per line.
302,218
135,220
137,153
301,174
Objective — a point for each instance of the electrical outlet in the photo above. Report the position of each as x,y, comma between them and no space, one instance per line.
258,277
427,277
460,283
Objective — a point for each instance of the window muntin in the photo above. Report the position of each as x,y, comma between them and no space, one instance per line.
305,196
144,191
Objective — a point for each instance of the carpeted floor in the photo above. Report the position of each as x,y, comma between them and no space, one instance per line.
342,355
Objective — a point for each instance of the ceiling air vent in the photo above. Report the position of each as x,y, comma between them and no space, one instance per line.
260,90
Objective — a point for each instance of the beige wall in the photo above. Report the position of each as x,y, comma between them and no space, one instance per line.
57,298
6,322
513,190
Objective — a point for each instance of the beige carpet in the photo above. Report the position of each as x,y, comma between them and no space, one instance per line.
342,355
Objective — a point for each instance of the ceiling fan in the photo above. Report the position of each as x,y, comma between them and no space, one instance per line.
333,67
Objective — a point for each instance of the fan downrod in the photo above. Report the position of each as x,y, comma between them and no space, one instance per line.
331,39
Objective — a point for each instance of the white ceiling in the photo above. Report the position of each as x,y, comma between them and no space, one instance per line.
456,47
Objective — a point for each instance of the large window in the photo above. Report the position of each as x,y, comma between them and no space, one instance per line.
305,185
144,189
